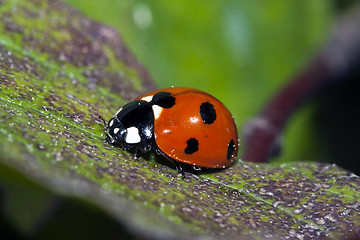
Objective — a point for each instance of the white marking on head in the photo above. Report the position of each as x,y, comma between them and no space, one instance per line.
157,111
147,98
116,130
111,122
132,135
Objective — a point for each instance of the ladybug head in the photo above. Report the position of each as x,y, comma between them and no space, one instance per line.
132,126
115,131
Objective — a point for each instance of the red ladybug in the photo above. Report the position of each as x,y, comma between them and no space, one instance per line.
183,124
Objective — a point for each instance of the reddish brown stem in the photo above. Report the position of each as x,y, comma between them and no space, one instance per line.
339,57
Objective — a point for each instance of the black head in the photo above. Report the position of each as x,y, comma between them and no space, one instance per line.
132,127
116,132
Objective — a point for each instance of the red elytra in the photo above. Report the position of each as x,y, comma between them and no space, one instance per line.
198,129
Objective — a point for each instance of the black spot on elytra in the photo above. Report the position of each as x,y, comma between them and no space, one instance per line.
231,149
192,146
163,99
207,112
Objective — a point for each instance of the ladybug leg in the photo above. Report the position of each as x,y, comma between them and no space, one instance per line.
137,154
178,168
196,168
174,162
146,146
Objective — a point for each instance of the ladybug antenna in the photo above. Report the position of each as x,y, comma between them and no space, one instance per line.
102,119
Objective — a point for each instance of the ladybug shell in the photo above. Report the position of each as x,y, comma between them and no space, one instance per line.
198,129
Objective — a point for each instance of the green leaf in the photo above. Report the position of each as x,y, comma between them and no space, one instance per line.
59,71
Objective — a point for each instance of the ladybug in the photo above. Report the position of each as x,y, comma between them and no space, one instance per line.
183,124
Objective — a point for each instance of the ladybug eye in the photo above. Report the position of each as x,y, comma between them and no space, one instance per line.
111,122
116,130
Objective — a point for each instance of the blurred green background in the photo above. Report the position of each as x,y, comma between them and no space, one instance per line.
240,51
